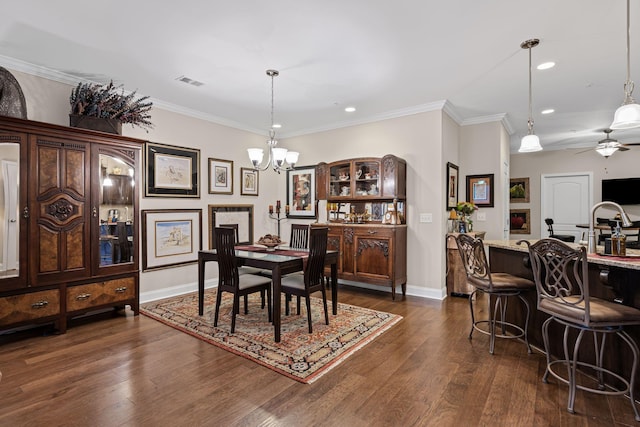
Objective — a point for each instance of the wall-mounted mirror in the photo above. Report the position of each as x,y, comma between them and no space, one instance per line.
116,210
9,210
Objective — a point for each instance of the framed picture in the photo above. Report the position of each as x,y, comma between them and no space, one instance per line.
170,237
301,192
480,190
236,216
171,171
220,176
452,186
249,178
520,221
519,190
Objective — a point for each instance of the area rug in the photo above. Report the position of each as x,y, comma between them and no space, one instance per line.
301,356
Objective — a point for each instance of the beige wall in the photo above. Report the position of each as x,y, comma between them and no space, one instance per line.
427,141
534,165
417,139
482,151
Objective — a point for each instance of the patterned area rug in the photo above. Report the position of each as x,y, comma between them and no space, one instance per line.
302,356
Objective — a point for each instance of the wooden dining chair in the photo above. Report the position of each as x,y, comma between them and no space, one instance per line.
299,239
299,236
312,280
229,280
241,269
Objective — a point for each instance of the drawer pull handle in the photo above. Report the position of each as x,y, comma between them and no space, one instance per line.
40,304
121,290
372,231
83,297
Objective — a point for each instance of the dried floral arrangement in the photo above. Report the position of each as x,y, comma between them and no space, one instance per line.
110,101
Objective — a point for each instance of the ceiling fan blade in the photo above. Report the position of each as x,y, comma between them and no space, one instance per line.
631,143
623,148
584,151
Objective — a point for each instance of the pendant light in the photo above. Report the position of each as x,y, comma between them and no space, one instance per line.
627,116
279,158
530,142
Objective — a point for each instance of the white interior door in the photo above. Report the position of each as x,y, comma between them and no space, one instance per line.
567,199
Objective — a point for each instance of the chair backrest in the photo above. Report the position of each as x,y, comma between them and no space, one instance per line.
562,281
299,236
228,277
314,270
549,223
474,260
235,227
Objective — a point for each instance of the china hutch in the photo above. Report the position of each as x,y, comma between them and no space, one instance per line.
366,211
69,229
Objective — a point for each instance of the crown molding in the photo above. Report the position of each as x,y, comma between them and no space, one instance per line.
444,105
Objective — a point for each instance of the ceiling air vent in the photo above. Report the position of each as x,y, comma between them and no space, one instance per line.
187,80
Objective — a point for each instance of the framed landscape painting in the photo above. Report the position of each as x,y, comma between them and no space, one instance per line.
171,171
170,237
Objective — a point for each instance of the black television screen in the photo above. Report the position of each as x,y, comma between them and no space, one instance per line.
624,191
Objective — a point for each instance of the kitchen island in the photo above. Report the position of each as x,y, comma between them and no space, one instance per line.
611,278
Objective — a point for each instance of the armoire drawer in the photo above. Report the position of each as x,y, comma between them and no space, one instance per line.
31,306
100,293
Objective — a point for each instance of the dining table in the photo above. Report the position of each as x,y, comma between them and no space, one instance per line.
281,261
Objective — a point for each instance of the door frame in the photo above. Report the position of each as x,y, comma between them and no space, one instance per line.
543,177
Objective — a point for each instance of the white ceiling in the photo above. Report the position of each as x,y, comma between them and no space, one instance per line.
386,58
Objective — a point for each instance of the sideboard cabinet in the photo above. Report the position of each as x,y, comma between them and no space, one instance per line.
366,200
52,198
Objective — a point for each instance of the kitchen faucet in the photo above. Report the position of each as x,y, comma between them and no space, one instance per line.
626,222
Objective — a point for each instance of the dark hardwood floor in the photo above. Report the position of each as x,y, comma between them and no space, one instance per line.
130,370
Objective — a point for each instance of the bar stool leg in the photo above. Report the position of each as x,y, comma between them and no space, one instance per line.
634,349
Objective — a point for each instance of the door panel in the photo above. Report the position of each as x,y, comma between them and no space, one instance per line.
567,199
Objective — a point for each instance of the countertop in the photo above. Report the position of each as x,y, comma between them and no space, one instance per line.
631,262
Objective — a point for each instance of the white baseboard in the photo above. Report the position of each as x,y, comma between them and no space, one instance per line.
418,291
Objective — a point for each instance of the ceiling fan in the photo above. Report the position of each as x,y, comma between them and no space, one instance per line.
608,145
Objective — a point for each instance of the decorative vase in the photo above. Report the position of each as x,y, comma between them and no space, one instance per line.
96,123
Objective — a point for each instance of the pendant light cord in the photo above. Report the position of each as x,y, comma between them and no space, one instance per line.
530,123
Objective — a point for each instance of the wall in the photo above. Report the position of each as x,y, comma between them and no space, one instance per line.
417,139
533,165
427,141
481,153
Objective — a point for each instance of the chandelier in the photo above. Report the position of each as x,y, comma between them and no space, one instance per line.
530,142
279,158
627,116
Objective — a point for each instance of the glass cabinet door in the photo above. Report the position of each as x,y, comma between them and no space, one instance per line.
13,244
116,210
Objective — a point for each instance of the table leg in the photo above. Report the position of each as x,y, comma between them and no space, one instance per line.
275,278
334,288
201,263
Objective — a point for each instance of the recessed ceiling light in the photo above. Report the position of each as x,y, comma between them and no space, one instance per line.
546,65
276,126
548,111
350,109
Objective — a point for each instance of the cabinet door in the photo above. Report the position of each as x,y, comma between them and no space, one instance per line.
13,208
58,209
114,194
335,243
340,180
374,254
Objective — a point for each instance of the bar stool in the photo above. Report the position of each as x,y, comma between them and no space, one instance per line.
499,287
562,284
